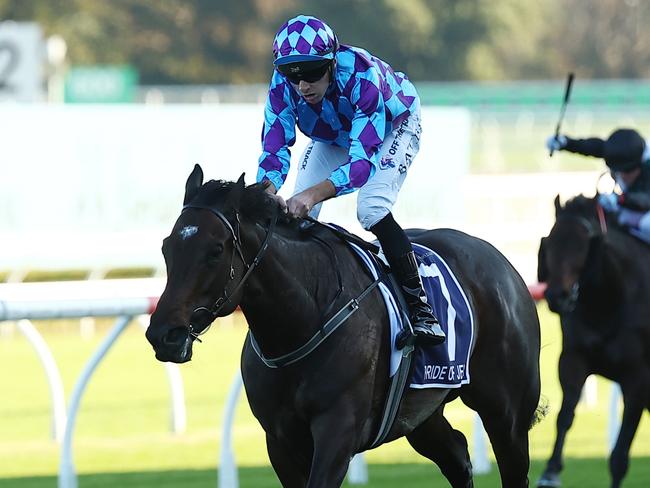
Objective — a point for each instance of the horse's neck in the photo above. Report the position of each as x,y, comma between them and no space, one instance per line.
285,296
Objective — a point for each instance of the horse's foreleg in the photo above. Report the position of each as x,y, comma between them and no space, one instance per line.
292,470
634,398
573,374
334,445
437,440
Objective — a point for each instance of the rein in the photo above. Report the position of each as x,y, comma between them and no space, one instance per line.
601,218
318,338
225,297
328,327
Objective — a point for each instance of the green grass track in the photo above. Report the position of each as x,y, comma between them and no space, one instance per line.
122,436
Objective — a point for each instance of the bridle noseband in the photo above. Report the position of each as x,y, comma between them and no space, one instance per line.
213,311
591,232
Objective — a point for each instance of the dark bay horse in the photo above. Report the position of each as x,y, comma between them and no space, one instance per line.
226,250
598,279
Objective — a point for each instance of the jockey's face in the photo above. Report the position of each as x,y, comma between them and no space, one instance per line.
315,91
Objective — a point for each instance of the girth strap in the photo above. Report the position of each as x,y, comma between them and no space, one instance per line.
400,378
394,398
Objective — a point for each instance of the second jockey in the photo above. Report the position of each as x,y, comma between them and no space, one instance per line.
627,155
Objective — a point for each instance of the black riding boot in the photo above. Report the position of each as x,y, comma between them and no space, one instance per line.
399,253
425,325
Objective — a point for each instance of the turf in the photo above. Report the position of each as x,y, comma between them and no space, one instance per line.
122,435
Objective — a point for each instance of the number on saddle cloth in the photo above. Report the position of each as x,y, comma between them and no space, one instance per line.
434,367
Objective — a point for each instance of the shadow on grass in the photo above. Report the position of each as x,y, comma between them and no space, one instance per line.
577,473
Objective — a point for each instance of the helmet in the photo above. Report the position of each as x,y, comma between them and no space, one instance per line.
623,150
304,38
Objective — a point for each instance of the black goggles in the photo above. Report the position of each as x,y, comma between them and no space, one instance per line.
309,71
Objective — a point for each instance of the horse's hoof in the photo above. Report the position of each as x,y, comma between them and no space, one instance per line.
549,479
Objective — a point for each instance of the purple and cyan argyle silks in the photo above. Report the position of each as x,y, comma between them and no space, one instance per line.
303,38
366,101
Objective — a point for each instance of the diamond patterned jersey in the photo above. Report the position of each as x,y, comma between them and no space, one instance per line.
364,104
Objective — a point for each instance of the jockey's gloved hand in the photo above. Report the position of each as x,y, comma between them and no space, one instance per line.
556,143
629,218
609,201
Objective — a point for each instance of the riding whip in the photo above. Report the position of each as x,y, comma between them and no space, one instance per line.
567,94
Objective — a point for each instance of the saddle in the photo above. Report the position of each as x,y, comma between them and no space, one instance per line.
406,337
309,224
421,367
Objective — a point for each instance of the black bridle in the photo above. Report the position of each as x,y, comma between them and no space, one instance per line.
324,330
213,311
592,231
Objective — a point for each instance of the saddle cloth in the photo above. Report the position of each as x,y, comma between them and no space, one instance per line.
445,365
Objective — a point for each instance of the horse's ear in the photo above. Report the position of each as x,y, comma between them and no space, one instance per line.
558,205
237,191
193,183
542,269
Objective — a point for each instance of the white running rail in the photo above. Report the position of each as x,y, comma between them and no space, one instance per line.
125,299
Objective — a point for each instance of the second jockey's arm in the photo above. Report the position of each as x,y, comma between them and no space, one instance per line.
300,204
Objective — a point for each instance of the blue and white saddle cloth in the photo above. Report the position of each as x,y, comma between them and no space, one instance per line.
445,365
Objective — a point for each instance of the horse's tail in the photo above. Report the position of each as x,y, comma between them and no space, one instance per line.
540,412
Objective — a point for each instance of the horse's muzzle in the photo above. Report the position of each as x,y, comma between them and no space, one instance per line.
174,345
562,301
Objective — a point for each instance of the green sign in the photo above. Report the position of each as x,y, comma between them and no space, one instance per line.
101,84
591,93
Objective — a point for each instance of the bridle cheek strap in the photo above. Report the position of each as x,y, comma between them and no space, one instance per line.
237,247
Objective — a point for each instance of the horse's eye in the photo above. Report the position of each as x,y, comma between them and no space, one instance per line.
215,253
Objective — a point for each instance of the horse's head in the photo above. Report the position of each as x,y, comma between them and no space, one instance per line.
567,251
205,266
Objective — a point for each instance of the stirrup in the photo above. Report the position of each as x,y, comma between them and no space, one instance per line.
404,338
429,335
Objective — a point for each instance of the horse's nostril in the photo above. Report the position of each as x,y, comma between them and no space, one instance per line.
175,337
152,336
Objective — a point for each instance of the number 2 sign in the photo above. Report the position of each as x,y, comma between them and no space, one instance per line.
21,61
8,62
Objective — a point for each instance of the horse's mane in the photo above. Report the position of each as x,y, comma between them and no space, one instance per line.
256,204
583,206
580,205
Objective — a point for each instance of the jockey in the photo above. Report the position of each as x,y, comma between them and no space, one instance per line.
363,120
627,156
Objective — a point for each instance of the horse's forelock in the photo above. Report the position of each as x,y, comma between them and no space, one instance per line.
256,204
213,193
579,205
